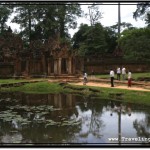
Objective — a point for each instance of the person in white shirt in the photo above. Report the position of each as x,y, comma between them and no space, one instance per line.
118,73
85,78
123,73
129,79
112,75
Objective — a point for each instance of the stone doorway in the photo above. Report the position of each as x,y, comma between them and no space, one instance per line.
52,65
23,66
64,66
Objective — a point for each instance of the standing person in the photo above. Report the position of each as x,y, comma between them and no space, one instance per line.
85,78
118,73
129,79
112,75
123,73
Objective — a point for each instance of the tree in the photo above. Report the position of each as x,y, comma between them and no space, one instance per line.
111,39
25,16
67,15
94,14
123,25
143,12
136,44
90,40
51,17
4,15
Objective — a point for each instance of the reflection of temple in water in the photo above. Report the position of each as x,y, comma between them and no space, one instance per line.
65,104
56,100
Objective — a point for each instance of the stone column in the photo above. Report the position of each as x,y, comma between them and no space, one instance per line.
27,67
15,67
49,66
56,100
60,101
69,66
56,66
69,100
59,66
43,64
73,66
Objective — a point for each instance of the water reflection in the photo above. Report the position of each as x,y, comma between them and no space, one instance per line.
119,108
60,118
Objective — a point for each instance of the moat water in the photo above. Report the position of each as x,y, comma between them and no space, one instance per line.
61,119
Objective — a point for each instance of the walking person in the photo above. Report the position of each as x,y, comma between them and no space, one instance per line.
123,73
112,75
129,78
85,78
118,73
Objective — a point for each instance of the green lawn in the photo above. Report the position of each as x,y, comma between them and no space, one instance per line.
103,93
3,81
135,76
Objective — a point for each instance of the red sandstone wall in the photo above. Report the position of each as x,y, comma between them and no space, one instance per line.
105,68
6,70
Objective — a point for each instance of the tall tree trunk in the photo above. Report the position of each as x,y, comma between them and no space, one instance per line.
62,22
2,27
119,20
29,14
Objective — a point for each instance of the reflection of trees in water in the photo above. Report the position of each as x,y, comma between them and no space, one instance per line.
96,124
36,132
93,119
143,127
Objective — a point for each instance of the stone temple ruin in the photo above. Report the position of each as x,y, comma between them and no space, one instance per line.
49,58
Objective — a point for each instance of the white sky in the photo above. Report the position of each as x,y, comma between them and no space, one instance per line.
110,16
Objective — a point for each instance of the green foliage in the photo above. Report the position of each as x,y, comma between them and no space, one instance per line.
136,44
94,40
4,81
38,87
42,21
47,87
4,15
111,39
142,12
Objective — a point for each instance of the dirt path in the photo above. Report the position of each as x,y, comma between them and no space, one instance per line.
116,86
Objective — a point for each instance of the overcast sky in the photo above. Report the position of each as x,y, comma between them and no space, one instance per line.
110,16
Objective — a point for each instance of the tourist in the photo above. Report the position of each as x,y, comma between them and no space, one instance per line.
123,73
118,73
129,78
112,75
85,78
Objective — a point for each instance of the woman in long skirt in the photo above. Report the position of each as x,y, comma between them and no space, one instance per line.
129,79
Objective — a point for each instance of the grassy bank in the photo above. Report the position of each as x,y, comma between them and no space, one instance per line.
6,81
103,93
38,87
135,76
